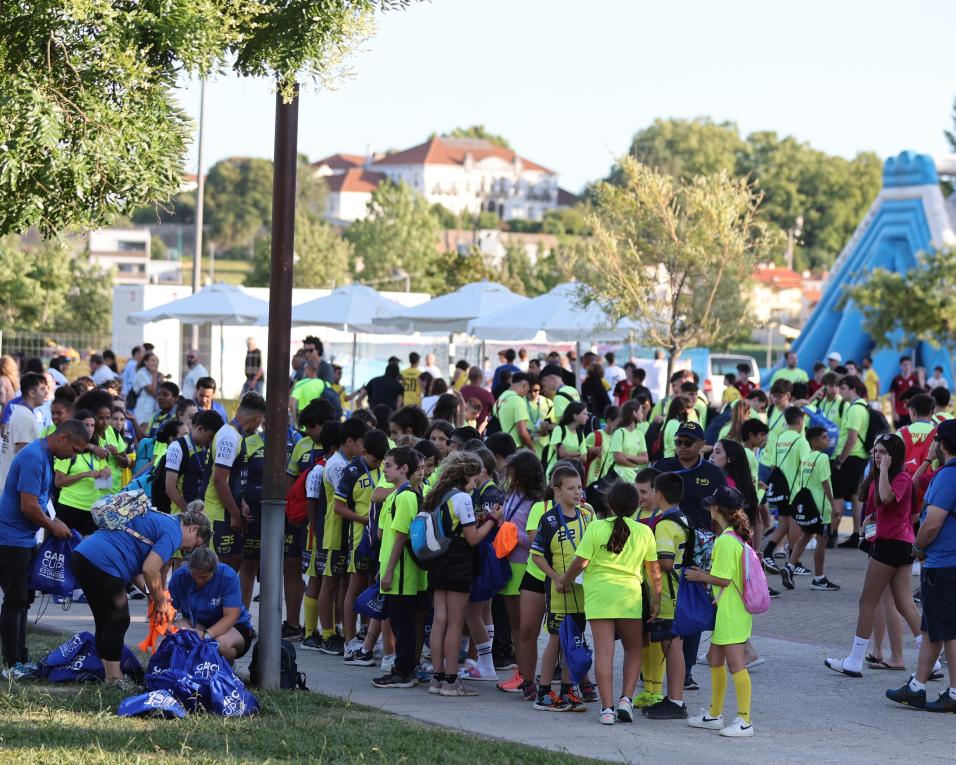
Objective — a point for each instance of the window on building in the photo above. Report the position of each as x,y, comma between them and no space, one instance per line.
125,245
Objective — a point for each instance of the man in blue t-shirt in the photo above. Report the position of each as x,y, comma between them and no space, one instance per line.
207,596
23,505
935,547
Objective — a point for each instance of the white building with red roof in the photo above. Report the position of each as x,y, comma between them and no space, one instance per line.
462,174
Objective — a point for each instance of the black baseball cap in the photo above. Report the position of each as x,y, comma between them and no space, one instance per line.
947,430
690,429
725,496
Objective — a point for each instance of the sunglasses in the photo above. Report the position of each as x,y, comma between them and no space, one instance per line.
684,442
536,390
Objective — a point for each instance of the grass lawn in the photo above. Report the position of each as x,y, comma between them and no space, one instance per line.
43,724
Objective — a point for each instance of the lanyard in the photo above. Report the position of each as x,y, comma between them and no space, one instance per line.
567,531
512,504
89,459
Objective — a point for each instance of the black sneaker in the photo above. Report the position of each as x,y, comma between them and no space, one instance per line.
690,684
945,703
360,659
786,576
850,543
666,710
907,696
292,632
333,646
774,593
769,566
395,680
313,642
801,570
824,584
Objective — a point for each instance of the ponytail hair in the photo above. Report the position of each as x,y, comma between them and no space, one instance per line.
457,468
737,519
622,499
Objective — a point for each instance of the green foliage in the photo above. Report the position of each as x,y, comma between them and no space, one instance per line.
157,248
45,289
479,131
238,203
446,218
400,233
455,270
674,255
900,309
488,220
321,256
570,221
87,119
830,194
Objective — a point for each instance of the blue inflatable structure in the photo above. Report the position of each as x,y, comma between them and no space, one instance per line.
909,216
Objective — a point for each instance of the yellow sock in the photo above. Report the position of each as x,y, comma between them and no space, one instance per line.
744,689
652,668
718,689
311,606
326,634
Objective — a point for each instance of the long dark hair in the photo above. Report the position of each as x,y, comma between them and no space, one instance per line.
737,519
896,448
628,414
571,411
739,469
524,475
677,409
622,499
456,469
446,408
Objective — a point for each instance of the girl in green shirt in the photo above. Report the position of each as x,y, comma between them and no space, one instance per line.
567,441
627,450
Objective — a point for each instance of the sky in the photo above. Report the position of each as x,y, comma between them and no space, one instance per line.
569,83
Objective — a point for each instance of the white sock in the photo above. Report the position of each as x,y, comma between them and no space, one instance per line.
916,685
855,659
919,640
679,703
952,693
465,642
485,665
490,628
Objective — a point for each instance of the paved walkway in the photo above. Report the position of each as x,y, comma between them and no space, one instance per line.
803,713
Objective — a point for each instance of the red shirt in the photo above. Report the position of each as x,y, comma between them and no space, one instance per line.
483,395
622,392
893,518
898,387
745,387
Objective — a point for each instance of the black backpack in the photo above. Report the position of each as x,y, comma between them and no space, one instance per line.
160,499
778,487
716,423
289,676
654,440
876,425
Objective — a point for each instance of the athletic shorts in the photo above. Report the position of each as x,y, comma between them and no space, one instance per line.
938,598
531,584
892,552
816,528
293,542
846,480
252,533
553,622
517,577
317,561
336,562
226,541
359,564
248,635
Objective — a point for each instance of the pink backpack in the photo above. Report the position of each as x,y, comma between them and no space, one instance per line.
756,594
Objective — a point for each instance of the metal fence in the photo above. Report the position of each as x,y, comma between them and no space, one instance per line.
75,345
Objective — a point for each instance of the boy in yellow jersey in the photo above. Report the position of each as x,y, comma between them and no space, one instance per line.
307,450
224,506
353,503
413,393
402,581
338,387
672,535
559,532
335,535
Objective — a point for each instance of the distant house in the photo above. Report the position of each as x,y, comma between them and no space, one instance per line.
462,174
126,252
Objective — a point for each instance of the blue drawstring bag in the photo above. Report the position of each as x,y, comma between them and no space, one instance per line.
817,420
228,696
152,704
74,661
575,648
371,603
174,652
695,611
493,573
51,573
177,682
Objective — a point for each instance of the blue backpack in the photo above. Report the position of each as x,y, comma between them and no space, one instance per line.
817,420
695,612
428,539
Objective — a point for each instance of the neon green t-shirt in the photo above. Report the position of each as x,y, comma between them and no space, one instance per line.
564,396
667,437
396,517
531,527
789,449
856,417
814,472
572,441
631,444
306,391
793,375
303,456
734,624
82,494
512,409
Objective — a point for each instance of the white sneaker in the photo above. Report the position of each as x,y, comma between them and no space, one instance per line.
738,729
704,720
473,673
916,568
625,710
388,662
840,665
607,717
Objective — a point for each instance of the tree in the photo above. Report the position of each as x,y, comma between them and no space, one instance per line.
900,309
674,255
458,269
479,131
238,203
88,121
399,235
321,256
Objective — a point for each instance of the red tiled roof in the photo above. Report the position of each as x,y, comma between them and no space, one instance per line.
452,151
355,179
341,161
781,278
566,198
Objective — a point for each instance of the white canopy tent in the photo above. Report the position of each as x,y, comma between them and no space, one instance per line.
353,308
222,304
451,313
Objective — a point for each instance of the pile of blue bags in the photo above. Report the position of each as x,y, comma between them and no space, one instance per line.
75,661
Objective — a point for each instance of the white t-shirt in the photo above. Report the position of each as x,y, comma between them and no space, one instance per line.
614,374
937,382
103,374
428,404
23,429
434,371
228,445
191,378
174,454
313,483
334,468
146,405
464,508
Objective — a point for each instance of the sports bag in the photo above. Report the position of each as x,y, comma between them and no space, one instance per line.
50,572
778,487
756,592
574,646
493,573
371,603
289,675
114,512
805,510
695,611
295,499
817,420
427,536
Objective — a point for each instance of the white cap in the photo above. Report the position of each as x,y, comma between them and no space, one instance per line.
834,356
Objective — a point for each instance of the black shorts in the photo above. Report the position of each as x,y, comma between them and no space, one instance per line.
892,552
553,622
530,584
252,532
336,563
293,542
938,597
77,519
226,541
846,479
248,635
784,510
816,528
455,570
